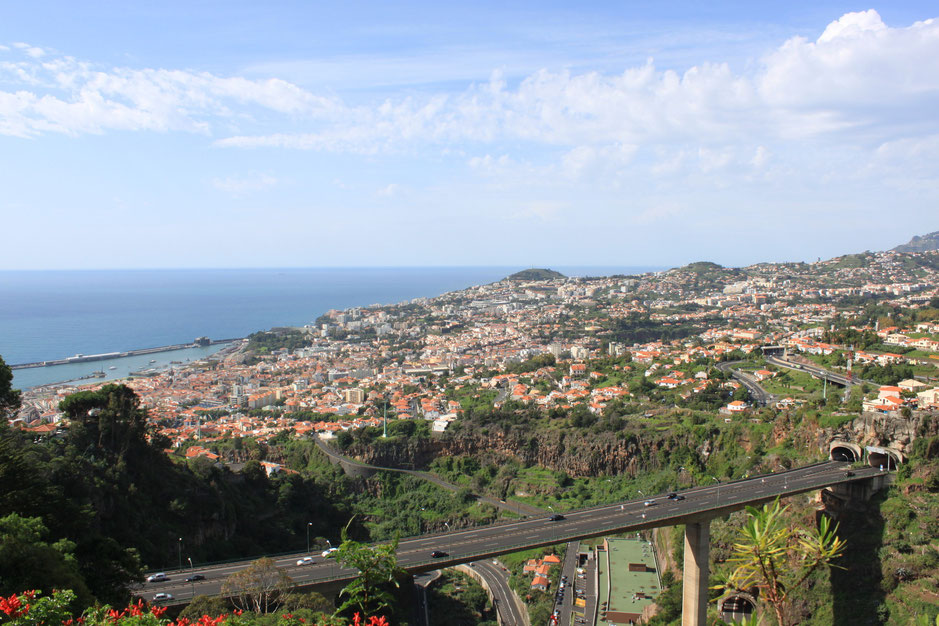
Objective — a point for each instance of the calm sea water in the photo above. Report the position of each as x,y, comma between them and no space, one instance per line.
47,315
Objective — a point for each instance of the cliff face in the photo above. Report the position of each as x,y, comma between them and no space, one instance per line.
579,453
872,429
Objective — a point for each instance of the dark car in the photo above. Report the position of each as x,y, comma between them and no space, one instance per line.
194,578
849,474
557,517
438,554
672,496
679,498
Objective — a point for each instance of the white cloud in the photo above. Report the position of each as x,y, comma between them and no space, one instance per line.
239,186
761,157
543,211
389,191
67,96
859,73
32,51
859,85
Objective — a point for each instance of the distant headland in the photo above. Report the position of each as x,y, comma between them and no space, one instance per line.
536,274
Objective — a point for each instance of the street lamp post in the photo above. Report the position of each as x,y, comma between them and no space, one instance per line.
308,524
179,550
192,581
449,539
718,489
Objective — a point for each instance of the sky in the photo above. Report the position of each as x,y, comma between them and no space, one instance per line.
306,134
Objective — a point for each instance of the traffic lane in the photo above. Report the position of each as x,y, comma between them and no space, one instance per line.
712,496
497,578
417,551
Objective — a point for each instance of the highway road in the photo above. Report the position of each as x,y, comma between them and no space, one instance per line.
757,394
504,599
519,508
473,544
815,370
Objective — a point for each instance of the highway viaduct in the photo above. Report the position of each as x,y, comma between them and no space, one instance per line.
698,507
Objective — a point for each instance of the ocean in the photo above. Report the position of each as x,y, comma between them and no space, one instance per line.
46,315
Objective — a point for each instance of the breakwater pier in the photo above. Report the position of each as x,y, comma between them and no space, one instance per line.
85,358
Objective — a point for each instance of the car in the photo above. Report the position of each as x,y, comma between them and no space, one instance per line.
159,577
849,474
557,517
307,560
160,597
329,551
648,503
672,496
194,578
438,554
679,498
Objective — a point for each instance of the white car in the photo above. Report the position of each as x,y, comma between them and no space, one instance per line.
158,597
157,578
329,551
307,560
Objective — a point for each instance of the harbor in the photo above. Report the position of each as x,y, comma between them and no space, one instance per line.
116,366
85,358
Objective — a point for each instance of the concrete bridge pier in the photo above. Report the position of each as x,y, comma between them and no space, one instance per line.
694,602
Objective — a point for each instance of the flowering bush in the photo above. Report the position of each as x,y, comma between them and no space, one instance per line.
30,608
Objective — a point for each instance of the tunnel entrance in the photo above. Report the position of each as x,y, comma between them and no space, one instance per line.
842,453
885,458
841,450
737,607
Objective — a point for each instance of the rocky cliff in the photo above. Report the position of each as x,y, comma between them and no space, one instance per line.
583,453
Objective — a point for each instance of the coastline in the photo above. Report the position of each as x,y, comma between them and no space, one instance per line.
115,368
86,358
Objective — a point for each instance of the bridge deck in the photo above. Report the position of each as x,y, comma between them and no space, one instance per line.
463,546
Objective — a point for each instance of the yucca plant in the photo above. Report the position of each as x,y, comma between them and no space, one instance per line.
776,558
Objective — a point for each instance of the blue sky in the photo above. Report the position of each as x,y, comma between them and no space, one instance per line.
297,134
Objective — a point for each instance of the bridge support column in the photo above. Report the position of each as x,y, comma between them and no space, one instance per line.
694,603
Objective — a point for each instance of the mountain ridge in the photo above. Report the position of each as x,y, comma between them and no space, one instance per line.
920,243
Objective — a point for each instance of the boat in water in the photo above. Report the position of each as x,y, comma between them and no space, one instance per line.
113,367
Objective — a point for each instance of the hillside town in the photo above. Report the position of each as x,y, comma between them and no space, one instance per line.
573,344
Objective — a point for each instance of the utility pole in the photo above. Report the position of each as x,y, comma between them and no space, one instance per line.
179,549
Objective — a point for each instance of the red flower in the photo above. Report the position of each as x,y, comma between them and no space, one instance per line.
158,611
13,606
